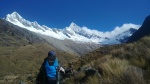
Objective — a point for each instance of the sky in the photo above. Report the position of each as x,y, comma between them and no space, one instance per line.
101,15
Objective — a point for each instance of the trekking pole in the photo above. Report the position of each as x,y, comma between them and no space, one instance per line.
57,76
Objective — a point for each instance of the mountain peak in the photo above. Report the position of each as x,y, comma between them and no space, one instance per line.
13,15
148,16
72,32
16,19
147,20
142,31
73,24
74,27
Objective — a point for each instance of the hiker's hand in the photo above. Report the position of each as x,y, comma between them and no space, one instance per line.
62,69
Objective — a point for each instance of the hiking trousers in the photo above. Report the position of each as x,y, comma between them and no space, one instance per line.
52,80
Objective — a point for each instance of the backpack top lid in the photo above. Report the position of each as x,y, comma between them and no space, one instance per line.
51,53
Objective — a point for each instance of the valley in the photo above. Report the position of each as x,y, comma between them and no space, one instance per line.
22,53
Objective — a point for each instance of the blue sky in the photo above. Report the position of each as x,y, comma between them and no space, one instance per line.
102,15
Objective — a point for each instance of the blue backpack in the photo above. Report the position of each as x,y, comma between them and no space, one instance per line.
51,66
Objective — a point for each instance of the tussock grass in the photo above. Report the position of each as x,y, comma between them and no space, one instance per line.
113,70
93,80
114,67
120,64
140,62
117,64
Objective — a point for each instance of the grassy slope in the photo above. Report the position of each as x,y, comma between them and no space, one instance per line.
20,60
117,64
26,60
22,54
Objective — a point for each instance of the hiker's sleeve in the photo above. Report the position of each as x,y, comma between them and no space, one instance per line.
40,76
43,64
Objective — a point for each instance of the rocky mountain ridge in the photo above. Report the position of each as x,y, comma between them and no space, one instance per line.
144,30
12,35
75,32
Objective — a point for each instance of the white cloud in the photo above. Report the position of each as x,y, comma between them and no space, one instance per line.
117,30
91,31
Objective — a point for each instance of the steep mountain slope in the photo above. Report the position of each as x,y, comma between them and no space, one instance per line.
74,32
22,53
113,64
32,37
11,34
142,31
123,37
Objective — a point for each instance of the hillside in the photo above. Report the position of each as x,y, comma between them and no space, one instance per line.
34,37
127,63
22,53
116,64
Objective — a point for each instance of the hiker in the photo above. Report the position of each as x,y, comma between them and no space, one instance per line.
49,71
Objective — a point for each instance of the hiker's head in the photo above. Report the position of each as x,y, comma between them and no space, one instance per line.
51,53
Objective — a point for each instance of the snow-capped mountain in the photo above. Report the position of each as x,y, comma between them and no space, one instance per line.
75,32
123,37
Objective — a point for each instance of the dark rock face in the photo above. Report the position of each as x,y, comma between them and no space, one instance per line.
142,31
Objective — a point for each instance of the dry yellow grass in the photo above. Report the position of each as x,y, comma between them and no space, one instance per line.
120,64
21,60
